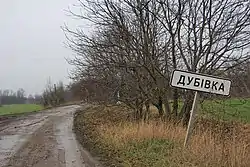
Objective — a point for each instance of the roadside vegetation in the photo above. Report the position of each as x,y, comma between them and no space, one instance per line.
227,109
53,95
112,133
58,95
16,102
19,109
128,58
135,46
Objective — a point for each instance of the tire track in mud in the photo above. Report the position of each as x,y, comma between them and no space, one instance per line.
39,150
43,140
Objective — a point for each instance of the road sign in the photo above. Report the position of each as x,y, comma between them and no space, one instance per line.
200,82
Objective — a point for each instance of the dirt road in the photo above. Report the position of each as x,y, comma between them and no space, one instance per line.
44,139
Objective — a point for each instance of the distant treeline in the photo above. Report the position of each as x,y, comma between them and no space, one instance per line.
11,97
56,94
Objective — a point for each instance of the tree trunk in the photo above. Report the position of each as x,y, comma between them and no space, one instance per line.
167,108
136,109
187,106
175,104
160,110
160,107
139,110
146,115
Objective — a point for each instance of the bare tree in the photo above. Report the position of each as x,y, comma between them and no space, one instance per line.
136,44
54,94
206,36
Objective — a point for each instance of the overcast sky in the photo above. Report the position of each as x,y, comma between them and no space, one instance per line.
31,43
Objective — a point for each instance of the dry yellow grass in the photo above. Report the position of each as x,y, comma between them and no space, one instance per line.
205,148
158,144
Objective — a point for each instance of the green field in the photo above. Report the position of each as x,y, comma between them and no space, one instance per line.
19,108
229,109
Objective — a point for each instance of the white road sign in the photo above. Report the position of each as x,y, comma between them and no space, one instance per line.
200,82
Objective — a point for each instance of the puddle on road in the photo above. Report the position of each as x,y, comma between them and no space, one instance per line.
14,136
67,142
8,142
8,145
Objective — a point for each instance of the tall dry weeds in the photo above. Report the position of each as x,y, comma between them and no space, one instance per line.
206,148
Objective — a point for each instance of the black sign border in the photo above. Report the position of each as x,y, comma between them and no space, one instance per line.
206,75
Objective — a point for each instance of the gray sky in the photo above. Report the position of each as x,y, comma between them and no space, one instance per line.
31,43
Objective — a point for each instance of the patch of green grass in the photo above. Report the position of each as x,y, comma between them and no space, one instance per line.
229,109
149,152
19,108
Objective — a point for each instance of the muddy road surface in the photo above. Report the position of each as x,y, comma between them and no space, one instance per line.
43,139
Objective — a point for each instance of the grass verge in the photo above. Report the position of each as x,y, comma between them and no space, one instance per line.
229,109
19,109
109,133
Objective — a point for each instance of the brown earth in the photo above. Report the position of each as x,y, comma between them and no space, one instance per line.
42,139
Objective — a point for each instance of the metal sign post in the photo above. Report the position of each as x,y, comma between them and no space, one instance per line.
192,118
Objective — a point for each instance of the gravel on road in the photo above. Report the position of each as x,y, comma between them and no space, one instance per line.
42,139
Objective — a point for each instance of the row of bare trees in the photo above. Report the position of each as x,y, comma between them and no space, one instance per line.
53,95
136,44
8,96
